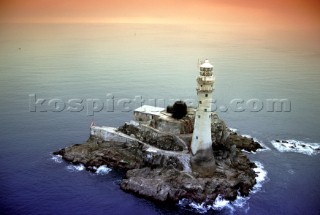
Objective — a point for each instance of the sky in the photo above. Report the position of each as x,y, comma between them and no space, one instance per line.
290,13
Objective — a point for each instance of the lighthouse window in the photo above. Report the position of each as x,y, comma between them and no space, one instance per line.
196,137
206,95
200,102
198,116
205,110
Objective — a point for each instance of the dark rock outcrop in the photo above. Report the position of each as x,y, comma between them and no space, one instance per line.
95,153
162,174
245,143
161,141
169,184
223,138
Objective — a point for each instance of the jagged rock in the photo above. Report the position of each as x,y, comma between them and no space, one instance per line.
167,184
223,171
244,143
112,154
158,161
129,129
219,130
223,137
161,141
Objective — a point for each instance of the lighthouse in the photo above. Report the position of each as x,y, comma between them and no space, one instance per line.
201,138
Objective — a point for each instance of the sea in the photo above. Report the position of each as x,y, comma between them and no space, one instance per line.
56,79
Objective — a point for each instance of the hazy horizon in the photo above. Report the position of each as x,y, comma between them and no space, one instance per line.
291,13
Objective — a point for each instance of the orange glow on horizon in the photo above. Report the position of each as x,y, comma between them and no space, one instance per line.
303,13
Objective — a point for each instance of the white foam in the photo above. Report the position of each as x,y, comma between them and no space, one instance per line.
296,146
264,147
240,201
200,208
57,158
261,177
75,168
103,170
221,203
193,206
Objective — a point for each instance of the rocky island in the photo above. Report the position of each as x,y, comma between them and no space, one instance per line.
173,153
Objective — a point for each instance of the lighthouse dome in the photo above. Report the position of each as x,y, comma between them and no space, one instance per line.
206,66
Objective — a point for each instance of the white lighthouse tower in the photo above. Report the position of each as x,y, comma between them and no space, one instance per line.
201,138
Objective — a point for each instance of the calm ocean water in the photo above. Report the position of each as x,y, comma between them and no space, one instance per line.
159,63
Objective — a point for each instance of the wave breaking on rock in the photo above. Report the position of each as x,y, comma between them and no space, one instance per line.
222,204
296,146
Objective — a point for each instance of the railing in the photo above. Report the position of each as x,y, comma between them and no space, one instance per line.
205,80
204,89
